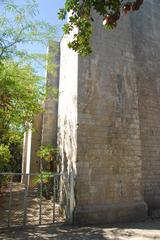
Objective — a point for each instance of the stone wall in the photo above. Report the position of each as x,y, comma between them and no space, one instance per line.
49,122
67,123
109,163
36,143
146,48
115,147
49,117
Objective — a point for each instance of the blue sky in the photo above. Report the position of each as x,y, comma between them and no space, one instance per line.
47,12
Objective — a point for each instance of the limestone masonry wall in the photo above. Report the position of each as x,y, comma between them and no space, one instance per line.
118,119
146,38
49,124
109,163
67,122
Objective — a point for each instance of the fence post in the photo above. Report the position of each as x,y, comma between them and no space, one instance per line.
40,202
54,196
10,200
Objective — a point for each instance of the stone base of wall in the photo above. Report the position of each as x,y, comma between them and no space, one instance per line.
153,202
115,213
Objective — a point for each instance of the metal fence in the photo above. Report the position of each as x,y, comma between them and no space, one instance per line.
29,199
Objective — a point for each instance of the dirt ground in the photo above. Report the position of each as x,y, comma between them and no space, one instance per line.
49,208
148,230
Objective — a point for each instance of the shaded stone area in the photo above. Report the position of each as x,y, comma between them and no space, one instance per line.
137,231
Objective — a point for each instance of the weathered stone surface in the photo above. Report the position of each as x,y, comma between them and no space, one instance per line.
36,143
111,213
67,122
49,122
108,135
146,29
49,118
114,149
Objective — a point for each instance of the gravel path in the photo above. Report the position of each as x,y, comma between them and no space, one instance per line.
49,209
149,230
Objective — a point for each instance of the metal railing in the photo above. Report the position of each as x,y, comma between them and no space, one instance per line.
29,199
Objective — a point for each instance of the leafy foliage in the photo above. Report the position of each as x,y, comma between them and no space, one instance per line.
81,18
44,181
20,95
47,153
22,91
43,177
4,157
18,25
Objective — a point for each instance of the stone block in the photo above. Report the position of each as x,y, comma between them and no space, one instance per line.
113,213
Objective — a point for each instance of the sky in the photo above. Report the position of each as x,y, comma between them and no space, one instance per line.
48,10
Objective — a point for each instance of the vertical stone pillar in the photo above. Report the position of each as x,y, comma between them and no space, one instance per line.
26,157
36,143
31,144
49,120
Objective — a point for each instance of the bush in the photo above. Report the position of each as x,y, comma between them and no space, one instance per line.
44,181
48,154
4,157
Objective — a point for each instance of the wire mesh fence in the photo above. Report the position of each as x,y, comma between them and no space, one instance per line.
29,199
